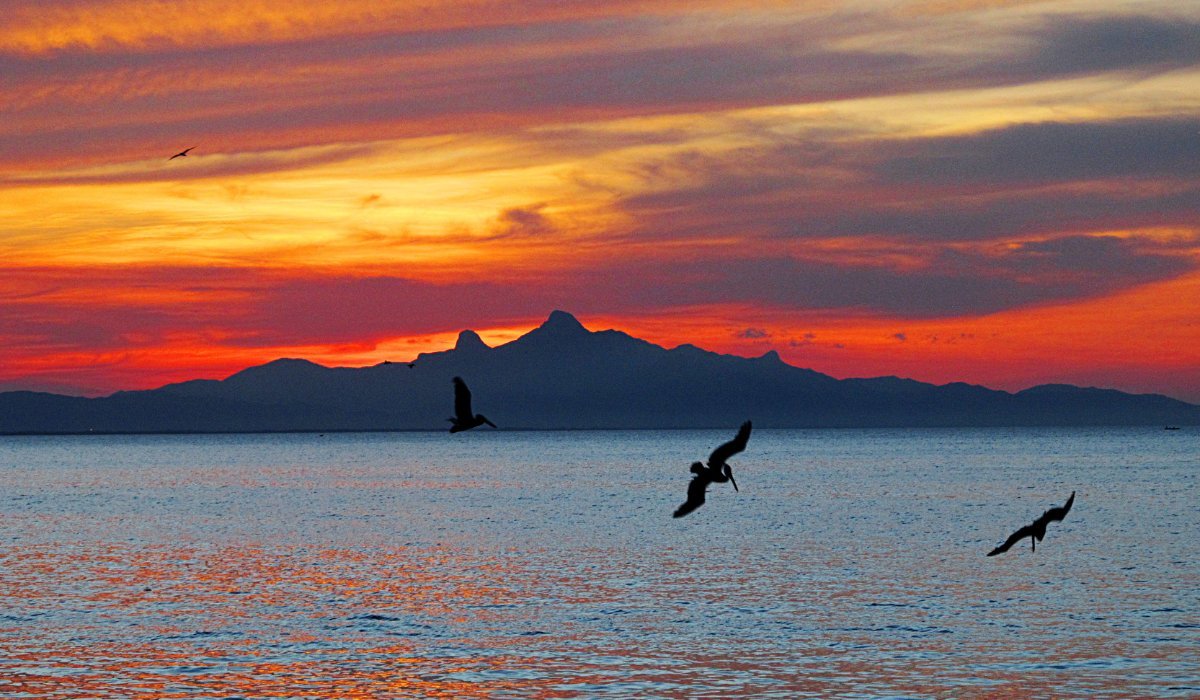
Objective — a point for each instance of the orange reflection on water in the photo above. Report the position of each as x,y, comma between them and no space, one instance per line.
119,620
162,622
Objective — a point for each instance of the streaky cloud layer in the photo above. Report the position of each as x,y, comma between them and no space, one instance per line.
1003,193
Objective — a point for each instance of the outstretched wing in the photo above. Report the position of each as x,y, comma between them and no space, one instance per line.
734,446
1057,514
695,497
462,400
1014,538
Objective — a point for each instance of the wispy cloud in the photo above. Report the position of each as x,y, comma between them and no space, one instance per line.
302,85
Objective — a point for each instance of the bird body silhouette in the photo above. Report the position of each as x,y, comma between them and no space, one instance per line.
1037,530
463,418
182,153
717,471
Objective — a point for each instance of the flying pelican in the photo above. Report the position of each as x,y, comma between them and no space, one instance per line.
1037,530
717,471
463,418
181,154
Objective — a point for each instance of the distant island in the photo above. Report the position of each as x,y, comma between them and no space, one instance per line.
561,375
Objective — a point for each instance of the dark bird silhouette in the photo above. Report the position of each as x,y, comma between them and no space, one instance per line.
181,154
1037,530
718,471
463,418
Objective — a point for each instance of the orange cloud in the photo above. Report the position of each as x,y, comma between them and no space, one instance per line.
107,25
370,178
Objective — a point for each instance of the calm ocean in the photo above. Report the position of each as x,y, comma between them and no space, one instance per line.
547,564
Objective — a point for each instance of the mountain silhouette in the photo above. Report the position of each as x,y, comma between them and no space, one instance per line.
561,375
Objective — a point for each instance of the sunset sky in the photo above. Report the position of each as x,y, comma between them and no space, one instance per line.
1000,192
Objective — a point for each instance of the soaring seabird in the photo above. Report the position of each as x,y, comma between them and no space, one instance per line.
1036,531
717,471
463,418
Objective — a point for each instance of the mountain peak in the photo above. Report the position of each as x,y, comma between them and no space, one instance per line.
283,364
290,362
562,323
470,341
771,356
285,369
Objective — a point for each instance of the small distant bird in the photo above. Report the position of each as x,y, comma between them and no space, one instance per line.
181,154
718,471
463,418
1037,530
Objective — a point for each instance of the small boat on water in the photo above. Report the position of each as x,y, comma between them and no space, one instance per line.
1170,427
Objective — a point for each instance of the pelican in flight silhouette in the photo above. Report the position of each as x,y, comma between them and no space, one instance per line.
463,418
181,154
718,471
1037,530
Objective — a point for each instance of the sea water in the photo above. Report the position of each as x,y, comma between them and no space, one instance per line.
547,564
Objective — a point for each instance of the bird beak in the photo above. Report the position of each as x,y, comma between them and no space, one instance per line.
733,481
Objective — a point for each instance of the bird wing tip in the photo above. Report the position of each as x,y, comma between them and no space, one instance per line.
684,509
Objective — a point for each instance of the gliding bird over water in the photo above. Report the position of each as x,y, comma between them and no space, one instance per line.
717,471
463,418
1036,531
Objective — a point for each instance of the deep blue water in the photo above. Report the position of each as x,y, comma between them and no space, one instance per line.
547,564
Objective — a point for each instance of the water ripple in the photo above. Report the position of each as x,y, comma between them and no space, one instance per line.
404,565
